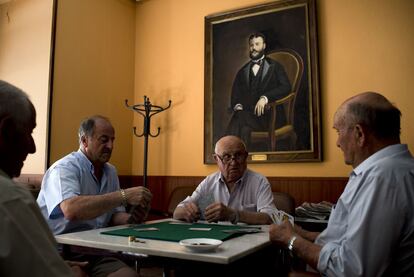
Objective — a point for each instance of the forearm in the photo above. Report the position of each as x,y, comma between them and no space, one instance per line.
256,218
86,207
120,218
179,213
310,236
307,251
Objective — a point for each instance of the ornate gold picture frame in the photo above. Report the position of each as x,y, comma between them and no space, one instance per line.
286,79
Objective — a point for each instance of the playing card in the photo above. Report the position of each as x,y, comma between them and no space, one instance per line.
203,203
285,216
280,216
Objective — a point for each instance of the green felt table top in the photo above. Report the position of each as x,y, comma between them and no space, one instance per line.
171,231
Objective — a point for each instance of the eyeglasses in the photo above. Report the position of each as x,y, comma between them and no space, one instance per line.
227,158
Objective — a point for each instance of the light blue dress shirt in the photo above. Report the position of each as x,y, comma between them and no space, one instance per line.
73,176
252,192
371,230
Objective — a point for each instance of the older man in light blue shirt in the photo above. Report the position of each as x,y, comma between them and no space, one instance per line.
371,230
370,219
81,191
70,177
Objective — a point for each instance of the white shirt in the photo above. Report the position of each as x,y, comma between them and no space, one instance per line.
371,230
252,193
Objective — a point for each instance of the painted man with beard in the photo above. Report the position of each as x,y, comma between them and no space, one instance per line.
235,193
260,81
81,191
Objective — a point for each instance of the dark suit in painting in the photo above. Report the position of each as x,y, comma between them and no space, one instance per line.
270,81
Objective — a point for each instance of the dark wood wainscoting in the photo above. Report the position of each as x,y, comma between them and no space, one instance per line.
303,189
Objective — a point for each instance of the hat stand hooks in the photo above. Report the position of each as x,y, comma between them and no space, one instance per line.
147,110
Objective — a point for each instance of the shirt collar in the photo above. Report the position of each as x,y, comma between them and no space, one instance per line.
259,59
88,163
379,155
84,159
238,182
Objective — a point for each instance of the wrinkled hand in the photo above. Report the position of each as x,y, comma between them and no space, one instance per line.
217,211
138,196
260,106
281,234
191,212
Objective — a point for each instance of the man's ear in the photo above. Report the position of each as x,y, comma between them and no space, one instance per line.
7,129
7,135
84,141
360,135
264,45
215,157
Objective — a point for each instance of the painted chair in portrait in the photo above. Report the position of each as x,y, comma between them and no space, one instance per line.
293,65
178,195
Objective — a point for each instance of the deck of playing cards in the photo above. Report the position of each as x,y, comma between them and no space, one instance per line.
203,203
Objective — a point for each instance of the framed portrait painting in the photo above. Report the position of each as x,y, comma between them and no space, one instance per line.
261,81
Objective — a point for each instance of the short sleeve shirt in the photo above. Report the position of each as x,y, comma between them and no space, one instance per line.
252,193
72,176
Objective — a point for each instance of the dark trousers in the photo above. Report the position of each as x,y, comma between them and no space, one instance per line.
242,123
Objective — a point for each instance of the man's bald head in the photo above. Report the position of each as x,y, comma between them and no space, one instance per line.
374,112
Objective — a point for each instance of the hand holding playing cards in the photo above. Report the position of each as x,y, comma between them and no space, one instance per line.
139,214
281,233
191,212
218,211
138,196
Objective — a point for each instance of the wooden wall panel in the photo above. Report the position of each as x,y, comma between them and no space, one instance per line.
303,189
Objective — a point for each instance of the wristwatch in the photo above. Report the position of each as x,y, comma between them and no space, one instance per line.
290,244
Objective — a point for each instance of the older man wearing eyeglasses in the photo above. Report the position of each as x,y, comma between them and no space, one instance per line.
234,193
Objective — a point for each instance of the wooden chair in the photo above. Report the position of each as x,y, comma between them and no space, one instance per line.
176,196
285,202
293,65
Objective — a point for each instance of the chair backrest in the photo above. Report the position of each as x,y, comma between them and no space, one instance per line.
285,202
292,62
178,195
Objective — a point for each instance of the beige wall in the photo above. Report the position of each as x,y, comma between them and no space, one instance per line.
363,45
25,34
94,73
